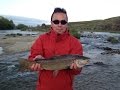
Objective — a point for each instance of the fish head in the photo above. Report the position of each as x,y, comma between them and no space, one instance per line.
81,62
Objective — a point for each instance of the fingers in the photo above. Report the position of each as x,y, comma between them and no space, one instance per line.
39,57
55,73
36,67
73,66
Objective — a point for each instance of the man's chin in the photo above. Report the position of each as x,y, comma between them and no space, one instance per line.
60,32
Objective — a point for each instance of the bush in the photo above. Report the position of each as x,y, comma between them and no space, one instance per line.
113,40
75,34
22,26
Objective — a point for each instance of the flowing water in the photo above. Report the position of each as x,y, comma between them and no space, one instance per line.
10,76
5,32
102,73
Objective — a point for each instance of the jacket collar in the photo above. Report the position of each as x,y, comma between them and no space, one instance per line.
58,37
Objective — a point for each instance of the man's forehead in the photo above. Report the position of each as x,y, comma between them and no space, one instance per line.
59,15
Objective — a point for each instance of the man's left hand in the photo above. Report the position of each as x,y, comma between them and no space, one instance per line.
73,66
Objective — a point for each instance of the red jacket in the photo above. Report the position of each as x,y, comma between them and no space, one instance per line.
51,44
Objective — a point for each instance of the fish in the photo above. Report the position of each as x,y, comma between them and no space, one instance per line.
58,62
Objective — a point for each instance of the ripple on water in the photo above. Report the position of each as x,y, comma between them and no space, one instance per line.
1,50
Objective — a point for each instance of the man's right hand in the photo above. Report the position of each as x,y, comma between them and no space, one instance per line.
36,66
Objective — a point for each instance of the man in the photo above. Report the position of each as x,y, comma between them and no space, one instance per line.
57,41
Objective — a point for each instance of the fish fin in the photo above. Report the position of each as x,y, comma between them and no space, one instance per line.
55,73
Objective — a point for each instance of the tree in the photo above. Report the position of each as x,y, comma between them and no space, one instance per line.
22,26
6,24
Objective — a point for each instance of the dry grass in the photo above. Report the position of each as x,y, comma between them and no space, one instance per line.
17,44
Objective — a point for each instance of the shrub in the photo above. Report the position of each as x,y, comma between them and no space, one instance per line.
113,40
76,34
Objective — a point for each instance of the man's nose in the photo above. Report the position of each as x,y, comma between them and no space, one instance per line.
59,24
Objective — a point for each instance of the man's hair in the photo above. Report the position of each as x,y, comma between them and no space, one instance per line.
59,10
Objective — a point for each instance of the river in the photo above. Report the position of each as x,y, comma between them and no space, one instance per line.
102,73
5,32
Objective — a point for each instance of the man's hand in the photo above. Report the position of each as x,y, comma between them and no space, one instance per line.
39,57
36,66
73,66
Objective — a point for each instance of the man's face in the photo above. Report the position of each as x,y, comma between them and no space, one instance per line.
59,22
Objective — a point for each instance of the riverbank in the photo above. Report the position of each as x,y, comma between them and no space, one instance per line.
16,44
102,73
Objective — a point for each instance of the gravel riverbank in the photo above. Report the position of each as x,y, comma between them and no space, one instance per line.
102,73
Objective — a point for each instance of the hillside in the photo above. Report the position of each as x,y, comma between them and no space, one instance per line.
110,24
24,20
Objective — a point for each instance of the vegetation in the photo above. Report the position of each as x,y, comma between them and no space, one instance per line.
43,28
22,27
6,24
113,40
75,33
107,25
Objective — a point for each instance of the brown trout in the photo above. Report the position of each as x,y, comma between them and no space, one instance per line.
56,62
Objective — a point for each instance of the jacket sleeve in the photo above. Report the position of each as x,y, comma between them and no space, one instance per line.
36,49
76,48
